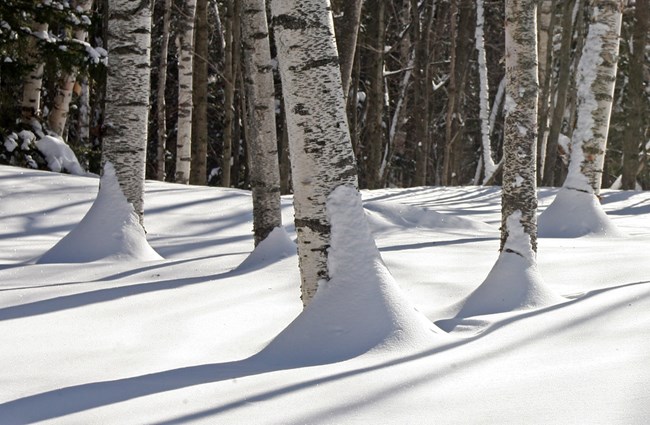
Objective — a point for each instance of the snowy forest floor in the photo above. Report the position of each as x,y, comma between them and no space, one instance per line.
175,340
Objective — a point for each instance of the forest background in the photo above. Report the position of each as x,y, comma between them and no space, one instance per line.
415,106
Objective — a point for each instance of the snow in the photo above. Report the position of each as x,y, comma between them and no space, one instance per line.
58,155
110,231
574,214
200,337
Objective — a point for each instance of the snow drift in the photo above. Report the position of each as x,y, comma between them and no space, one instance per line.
110,231
360,308
573,214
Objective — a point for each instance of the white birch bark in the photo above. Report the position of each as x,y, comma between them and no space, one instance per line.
161,110
484,94
519,198
260,101
596,81
33,83
127,96
320,145
185,43
61,103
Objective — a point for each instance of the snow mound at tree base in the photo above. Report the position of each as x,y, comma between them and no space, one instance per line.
276,246
514,283
359,309
573,214
110,231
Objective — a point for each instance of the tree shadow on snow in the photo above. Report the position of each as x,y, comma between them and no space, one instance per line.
78,398
66,302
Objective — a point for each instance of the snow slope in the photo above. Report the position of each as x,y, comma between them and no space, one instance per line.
179,340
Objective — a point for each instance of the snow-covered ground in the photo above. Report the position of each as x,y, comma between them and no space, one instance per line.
200,337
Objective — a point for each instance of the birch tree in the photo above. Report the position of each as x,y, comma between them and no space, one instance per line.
260,100
484,94
185,44
576,211
161,111
127,96
198,171
61,104
320,145
33,83
636,129
514,281
597,77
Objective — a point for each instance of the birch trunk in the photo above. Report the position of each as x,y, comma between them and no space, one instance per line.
514,283
597,77
229,101
347,31
185,43
33,83
484,94
260,114
376,30
320,146
161,111
519,197
127,96
61,103
635,130
198,171
559,107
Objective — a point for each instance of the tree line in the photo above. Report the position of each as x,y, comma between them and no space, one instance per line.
423,84
407,94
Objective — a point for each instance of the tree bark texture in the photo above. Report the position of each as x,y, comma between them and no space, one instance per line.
519,197
260,114
321,150
461,33
198,169
484,93
347,31
597,78
33,83
127,96
161,111
185,44
546,20
375,135
420,35
559,107
61,104
229,102
635,133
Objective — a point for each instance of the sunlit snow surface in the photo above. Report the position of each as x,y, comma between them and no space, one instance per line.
182,340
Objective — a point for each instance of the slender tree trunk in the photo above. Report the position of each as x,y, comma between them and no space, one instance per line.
546,29
347,30
161,111
61,103
229,102
519,197
559,107
420,31
597,77
636,127
321,150
376,30
198,169
484,94
260,120
33,83
127,96
185,43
